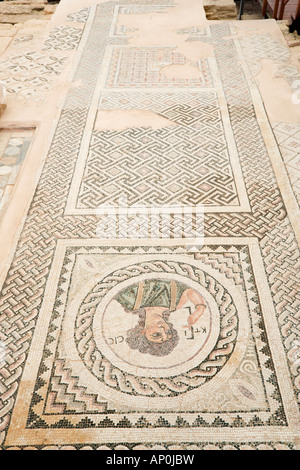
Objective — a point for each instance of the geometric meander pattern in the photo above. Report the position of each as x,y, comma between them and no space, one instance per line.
186,162
71,404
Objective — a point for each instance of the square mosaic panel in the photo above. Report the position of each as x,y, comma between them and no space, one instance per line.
91,368
187,162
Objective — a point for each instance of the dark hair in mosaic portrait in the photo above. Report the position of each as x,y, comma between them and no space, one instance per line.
137,340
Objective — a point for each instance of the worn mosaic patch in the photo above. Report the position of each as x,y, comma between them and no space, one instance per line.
14,146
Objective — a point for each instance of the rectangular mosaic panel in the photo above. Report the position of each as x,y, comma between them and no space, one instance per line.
172,165
190,160
138,67
14,146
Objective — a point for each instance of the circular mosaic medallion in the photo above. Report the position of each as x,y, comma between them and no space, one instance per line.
157,339
156,329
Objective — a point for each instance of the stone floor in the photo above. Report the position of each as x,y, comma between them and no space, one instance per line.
150,244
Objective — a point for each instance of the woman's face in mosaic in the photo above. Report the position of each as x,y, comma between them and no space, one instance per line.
156,330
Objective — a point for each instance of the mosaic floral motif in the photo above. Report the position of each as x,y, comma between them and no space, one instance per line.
30,75
63,38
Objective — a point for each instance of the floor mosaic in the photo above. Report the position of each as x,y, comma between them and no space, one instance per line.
14,146
173,176
288,138
138,343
